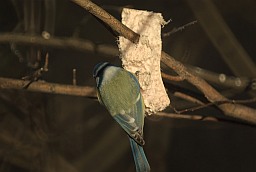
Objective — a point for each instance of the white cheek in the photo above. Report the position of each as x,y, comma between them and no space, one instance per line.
109,73
97,82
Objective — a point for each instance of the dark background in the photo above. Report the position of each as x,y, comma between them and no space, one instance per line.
46,132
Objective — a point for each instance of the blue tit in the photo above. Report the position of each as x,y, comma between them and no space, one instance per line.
119,91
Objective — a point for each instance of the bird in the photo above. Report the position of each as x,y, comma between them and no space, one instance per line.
119,91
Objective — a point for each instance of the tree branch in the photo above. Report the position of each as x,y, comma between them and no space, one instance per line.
6,83
233,110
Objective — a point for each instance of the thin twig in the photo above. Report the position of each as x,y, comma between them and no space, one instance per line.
171,78
74,77
188,98
180,116
181,28
189,117
38,73
252,100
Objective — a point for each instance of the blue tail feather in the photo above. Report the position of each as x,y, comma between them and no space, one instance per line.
139,157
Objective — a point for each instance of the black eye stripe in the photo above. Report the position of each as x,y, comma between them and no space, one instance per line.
99,68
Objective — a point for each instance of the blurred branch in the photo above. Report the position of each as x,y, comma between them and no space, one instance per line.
26,155
222,37
220,79
50,16
75,44
108,19
180,116
6,83
232,85
32,25
15,151
99,148
233,110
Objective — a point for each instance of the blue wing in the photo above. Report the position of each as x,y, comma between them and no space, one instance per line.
132,123
130,127
132,120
